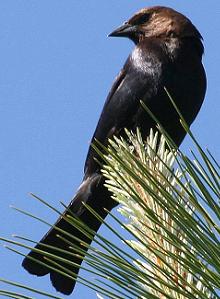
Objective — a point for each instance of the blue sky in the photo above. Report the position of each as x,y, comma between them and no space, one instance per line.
56,67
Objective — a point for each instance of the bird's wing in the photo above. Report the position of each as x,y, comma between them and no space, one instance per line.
121,107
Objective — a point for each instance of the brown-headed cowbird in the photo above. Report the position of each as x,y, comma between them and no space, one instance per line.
168,52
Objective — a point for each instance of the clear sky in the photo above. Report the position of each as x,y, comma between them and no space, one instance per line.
56,67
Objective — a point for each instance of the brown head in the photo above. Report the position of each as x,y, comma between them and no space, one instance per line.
158,22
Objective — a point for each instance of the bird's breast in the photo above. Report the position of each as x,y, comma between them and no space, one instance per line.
140,61
147,60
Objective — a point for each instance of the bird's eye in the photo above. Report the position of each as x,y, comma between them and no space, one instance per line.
142,19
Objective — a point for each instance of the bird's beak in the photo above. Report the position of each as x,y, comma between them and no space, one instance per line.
125,30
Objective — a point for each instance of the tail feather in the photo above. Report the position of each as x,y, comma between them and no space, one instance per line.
91,192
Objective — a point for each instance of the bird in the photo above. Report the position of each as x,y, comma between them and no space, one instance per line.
167,53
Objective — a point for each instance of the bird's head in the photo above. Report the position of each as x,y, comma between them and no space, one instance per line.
157,21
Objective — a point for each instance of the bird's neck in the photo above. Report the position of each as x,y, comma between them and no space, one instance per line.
191,45
172,46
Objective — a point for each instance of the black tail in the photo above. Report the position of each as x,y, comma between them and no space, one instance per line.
91,192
